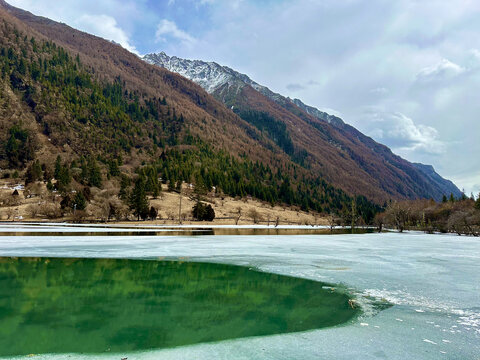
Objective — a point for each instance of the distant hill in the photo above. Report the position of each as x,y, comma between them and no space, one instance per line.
324,142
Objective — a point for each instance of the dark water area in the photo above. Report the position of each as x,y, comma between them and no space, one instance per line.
191,232
58,305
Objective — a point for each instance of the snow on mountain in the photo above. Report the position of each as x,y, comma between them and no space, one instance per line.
227,84
213,77
331,119
209,75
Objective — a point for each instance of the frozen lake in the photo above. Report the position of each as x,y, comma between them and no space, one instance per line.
433,281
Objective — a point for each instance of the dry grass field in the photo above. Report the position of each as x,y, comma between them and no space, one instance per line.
38,204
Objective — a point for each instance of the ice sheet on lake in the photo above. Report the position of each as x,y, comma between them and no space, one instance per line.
432,280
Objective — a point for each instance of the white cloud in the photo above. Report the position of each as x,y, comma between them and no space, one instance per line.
107,18
470,181
402,134
475,53
473,61
167,28
105,26
445,69
197,3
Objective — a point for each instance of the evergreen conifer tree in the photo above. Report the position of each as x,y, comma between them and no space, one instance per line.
58,165
477,203
138,199
34,172
94,173
79,201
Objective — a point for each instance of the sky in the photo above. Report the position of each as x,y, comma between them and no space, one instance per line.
405,72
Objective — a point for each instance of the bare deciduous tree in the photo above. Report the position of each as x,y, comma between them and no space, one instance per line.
397,215
254,215
237,215
34,210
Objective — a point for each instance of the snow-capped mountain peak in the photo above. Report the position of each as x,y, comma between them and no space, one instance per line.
209,75
214,77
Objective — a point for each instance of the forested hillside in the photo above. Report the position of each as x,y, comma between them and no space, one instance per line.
80,120
312,138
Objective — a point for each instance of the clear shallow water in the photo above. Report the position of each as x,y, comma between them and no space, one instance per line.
55,305
433,282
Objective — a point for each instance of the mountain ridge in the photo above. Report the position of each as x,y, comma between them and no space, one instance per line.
237,90
212,76
107,119
283,153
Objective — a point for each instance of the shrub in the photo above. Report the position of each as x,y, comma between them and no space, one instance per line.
153,213
203,212
254,215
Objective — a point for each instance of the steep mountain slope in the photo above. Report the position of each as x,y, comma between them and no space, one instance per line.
447,186
109,62
322,142
70,93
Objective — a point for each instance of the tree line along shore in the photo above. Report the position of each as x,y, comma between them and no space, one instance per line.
36,202
459,216
122,200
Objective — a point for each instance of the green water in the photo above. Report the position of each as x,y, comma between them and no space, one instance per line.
107,305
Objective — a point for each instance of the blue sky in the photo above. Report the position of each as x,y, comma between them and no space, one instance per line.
406,72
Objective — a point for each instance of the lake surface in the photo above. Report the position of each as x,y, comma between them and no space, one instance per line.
432,281
13,229
56,305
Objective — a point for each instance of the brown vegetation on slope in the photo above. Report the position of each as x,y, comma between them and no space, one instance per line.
204,115
172,129
343,155
335,154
